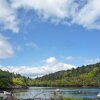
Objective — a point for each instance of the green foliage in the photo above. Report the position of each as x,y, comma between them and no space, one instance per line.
82,76
7,80
72,99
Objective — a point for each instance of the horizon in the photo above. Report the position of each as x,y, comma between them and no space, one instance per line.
38,39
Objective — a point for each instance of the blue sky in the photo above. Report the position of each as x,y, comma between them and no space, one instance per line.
37,39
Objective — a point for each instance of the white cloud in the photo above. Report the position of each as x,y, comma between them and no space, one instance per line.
6,49
50,65
83,12
32,45
71,58
51,60
52,8
89,15
8,16
92,61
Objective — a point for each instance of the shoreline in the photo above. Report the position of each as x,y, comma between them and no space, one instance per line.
26,87
80,86
15,87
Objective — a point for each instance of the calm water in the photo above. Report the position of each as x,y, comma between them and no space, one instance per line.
46,92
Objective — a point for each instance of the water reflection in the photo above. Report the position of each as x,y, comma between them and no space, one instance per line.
46,92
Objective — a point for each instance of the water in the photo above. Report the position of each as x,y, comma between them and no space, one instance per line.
46,92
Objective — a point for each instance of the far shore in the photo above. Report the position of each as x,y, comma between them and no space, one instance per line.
26,87
15,87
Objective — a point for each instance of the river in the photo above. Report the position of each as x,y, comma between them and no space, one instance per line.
46,92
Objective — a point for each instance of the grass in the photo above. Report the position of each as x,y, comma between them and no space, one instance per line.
64,98
72,99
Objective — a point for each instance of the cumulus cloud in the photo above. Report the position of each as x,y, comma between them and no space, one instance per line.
6,49
52,8
89,15
8,18
50,65
50,60
81,12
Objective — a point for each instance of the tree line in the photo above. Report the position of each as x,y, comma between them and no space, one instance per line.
9,80
88,75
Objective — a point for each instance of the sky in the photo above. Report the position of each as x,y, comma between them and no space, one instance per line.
37,39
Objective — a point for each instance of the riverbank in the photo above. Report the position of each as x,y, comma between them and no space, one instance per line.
65,86
14,87
52,98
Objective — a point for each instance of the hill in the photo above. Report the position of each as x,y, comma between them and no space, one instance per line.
10,80
81,76
88,75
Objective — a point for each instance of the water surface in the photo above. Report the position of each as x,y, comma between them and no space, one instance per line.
46,92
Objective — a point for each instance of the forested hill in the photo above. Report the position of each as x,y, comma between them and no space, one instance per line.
9,80
82,76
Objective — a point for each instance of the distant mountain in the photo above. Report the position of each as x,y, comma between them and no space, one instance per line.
81,76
